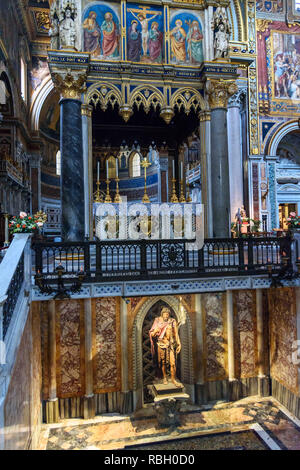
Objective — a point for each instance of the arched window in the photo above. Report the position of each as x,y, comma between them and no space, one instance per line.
135,165
58,163
111,167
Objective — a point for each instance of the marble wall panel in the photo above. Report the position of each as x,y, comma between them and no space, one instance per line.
283,334
70,348
245,344
215,336
106,345
22,408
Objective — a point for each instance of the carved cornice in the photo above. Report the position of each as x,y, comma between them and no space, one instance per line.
70,86
219,92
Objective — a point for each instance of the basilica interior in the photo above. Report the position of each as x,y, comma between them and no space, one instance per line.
149,225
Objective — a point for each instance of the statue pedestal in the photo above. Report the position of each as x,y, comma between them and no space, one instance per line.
167,403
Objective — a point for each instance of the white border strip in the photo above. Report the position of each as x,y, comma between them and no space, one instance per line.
265,437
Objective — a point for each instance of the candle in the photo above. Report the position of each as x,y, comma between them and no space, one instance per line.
117,168
181,170
173,169
98,171
107,169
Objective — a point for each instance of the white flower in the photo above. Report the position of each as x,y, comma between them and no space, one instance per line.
22,215
39,224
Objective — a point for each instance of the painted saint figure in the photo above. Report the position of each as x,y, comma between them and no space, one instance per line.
110,41
155,43
142,18
92,35
178,36
134,43
194,40
165,344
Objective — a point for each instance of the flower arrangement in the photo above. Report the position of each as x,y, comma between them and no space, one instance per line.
293,221
256,224
26,223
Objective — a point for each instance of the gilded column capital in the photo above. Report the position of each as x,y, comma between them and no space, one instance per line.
86,110
219,92
69,85
204,116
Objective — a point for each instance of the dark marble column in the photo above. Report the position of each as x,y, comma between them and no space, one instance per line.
71,182
220,173
219,91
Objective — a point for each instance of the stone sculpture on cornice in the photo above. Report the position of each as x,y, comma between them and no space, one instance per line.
222,32
63,14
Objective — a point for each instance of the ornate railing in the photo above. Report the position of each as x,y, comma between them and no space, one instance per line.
112,260
13,294
15,282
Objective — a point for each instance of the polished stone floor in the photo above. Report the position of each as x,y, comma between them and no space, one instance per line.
249,424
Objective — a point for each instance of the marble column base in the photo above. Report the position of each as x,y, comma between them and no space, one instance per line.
200,394
52,411
126,405
263,386
89,409
234,391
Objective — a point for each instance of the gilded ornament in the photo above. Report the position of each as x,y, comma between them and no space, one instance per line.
69,86
219,92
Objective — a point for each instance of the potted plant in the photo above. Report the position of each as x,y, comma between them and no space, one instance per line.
26,223
293,222
255,227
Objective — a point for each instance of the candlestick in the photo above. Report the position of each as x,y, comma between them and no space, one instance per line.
6,231
188,197
107,197
182,198
174,197
145,165
118,198
98,196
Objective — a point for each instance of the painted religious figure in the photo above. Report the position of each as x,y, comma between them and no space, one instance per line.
165,344
92,35
134,42
286,66
186,38
155,43
101,34
194,40
144,25
178,36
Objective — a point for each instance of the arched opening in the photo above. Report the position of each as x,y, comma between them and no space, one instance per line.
131,142
112,167
6,97
288,177
143,370
135,165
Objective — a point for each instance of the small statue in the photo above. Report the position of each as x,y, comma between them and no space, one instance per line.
67,30
54,34
165,344
222,31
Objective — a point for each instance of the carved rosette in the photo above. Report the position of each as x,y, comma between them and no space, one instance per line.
219,92
70,86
